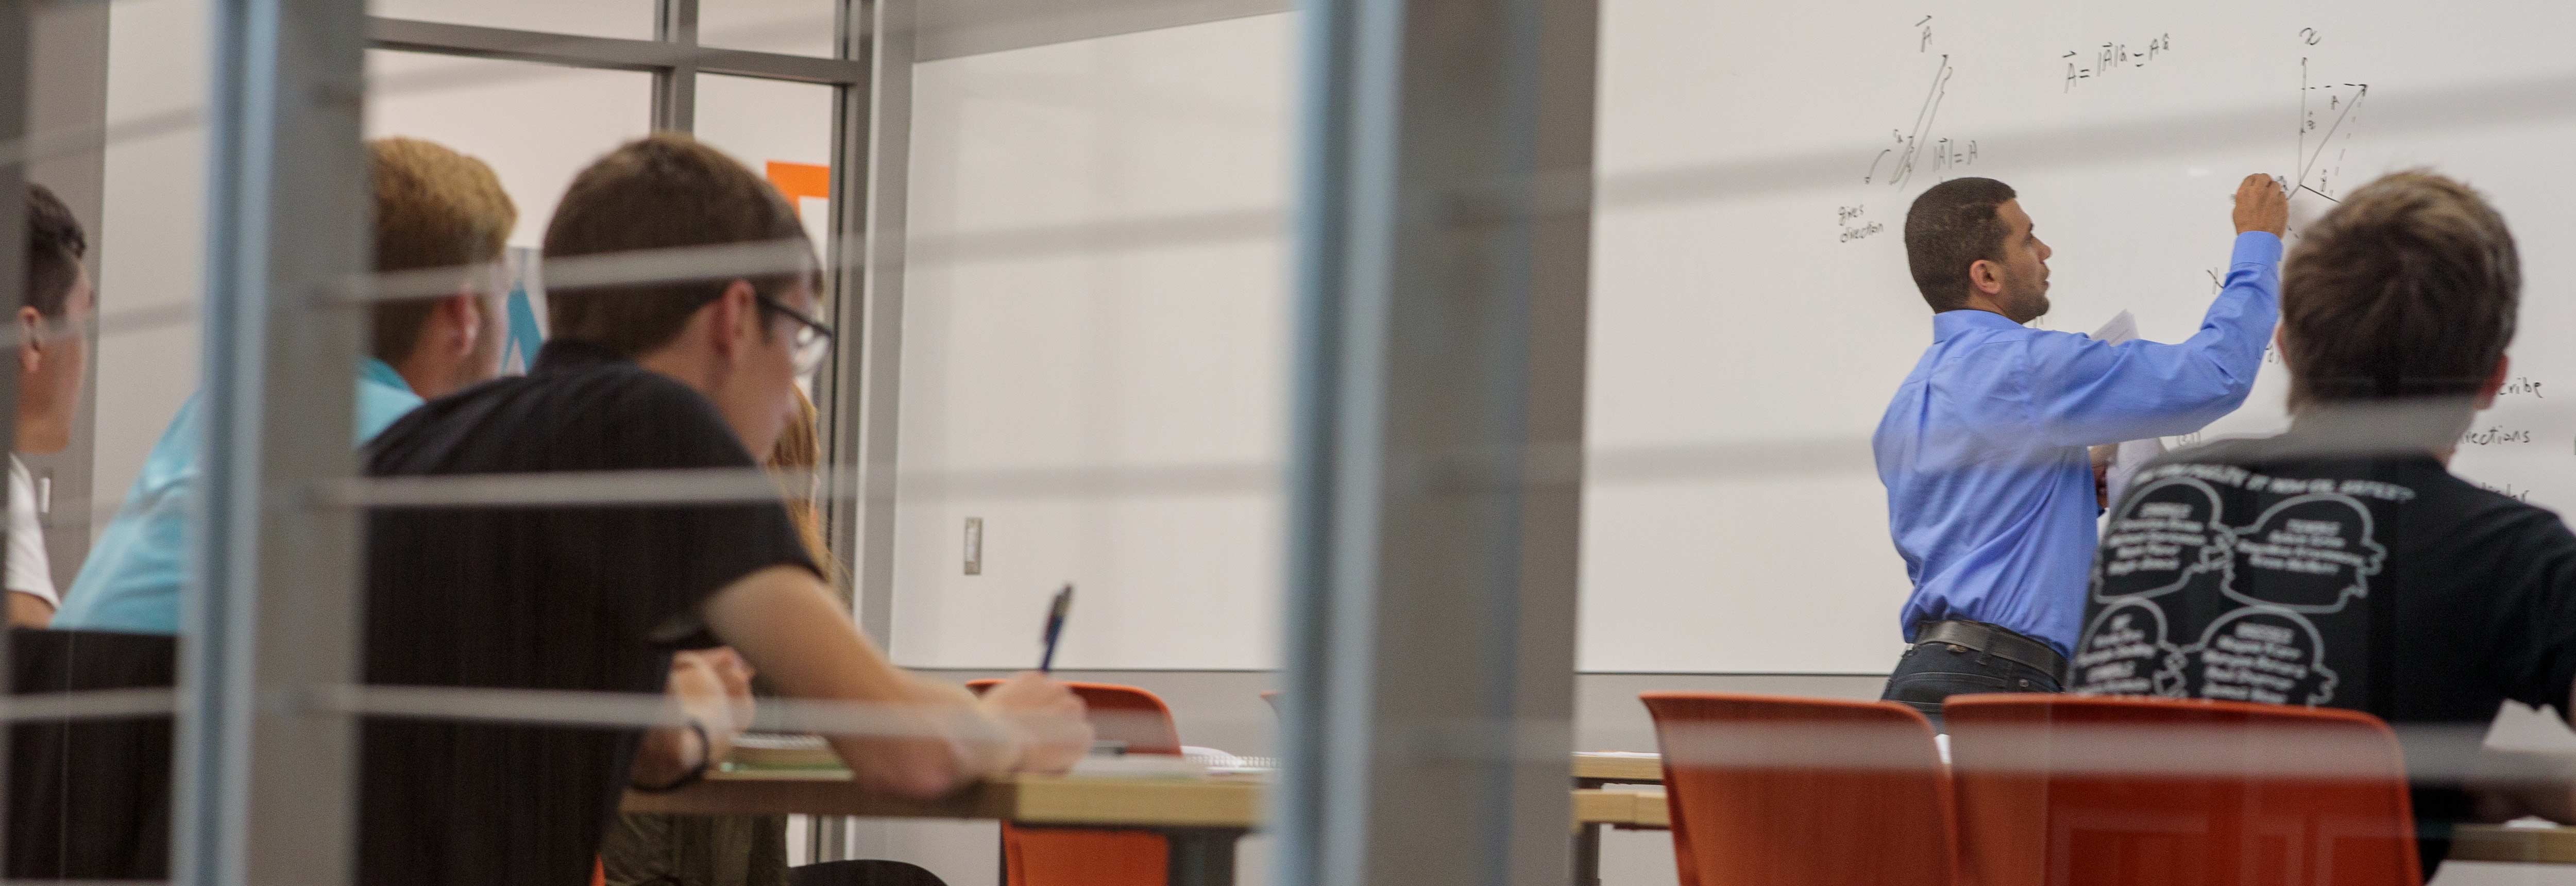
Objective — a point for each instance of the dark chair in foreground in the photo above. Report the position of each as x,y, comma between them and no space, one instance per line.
89,798
2108,791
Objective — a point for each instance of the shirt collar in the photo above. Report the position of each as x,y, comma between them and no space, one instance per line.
566,354
380,372
1950,323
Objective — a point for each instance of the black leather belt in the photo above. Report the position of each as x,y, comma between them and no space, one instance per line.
1999,642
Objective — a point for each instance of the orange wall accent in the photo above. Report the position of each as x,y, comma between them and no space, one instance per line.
797,181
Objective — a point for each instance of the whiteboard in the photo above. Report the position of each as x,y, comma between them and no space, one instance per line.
1752,310
1743,347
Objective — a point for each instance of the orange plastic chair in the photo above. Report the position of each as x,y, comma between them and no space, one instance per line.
2109,791
1802,792
1043,857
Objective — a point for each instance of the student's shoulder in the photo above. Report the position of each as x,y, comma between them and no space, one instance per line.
2479,512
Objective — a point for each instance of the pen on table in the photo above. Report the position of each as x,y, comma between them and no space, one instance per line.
1055,627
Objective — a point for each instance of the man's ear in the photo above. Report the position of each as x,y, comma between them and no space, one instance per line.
2495,382
735,320
31,340
1985,277
464,312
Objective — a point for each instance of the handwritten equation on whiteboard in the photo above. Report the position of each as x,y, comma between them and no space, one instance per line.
2100,62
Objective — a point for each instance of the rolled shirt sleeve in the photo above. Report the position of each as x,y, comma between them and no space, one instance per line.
2083,391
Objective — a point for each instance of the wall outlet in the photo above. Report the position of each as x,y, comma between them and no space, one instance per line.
974,546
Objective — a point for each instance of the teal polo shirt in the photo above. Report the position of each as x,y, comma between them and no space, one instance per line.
131,581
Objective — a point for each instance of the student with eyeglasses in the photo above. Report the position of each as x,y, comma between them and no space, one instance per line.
685,375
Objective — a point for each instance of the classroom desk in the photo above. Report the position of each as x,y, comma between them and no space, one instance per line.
1203,818
1612,768
1592,770
2487,842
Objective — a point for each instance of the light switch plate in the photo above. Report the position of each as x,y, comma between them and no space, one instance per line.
974,546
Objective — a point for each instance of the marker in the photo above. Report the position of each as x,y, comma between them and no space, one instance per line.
1055,626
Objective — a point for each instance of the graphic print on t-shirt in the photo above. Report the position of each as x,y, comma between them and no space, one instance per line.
2168,531
2257,653
2259,562
2312,553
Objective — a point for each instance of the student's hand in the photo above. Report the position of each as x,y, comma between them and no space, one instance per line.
698,687
2102,473
2511,784
1048,717
2261,205
731,673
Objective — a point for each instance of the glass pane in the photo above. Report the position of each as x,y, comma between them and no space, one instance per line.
794,27
631,19
1030,345
537,125
779,129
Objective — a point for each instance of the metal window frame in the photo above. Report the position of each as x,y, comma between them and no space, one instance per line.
17,82
613,53
266,779
869,390
1442,296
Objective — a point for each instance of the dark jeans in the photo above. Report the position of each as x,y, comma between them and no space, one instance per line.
1930,672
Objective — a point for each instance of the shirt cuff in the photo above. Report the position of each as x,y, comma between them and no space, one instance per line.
2257,247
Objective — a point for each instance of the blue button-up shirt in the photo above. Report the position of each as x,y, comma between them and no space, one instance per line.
131,580
1989,488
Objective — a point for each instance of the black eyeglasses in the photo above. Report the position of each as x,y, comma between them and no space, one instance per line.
813,340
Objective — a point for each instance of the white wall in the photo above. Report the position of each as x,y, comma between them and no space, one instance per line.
536,125
1166,356
151,240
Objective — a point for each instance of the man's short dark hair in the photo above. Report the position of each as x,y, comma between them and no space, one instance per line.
1952,225
55,247
2408,288
665,191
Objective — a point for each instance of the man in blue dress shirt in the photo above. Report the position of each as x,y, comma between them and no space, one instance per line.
1991,495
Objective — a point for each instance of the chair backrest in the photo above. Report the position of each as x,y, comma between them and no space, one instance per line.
89,798
1042,857
1802,792
2112,791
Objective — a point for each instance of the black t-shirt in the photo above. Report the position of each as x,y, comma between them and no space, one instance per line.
590,598
2260,570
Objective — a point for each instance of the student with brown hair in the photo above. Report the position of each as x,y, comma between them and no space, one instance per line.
693,373
53,358
2342,564
433,208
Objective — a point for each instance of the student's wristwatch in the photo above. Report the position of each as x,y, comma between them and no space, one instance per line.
697,773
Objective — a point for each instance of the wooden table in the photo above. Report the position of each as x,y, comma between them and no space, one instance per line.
2487,842
1592,770
1202,818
